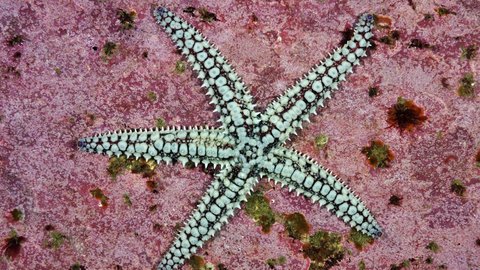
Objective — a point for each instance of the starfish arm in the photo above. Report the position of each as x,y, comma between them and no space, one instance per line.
230,187
302,174
223,84
287,113
167,144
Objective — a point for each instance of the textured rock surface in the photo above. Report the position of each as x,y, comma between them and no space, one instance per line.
62,78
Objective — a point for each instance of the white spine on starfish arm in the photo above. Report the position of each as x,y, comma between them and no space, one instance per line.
247,145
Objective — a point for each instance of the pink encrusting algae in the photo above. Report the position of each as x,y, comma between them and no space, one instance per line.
58,84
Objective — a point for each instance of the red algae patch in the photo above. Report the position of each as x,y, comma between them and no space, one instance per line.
296,225
98,195
196,262
324,249
12,245
258,208
378,154
405,115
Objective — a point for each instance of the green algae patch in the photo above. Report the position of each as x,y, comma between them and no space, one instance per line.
296,226
77,266
17,215
190,165
207,16
278,261
109,49
419,44
180,67
126,19
378,154
477,159
160,123
391,39
469,52
466,87
258,208
361,265
324,249
321,141
196,262
16,40
442,11
402,265
54,240
126,200
359,239
118,165
458,187
151,95
433,247
177,227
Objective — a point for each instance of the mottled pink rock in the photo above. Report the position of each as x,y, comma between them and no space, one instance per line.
43,113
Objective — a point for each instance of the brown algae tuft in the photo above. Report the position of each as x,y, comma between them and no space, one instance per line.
378,154
405,115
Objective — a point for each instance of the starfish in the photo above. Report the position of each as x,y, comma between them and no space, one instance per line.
249,145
